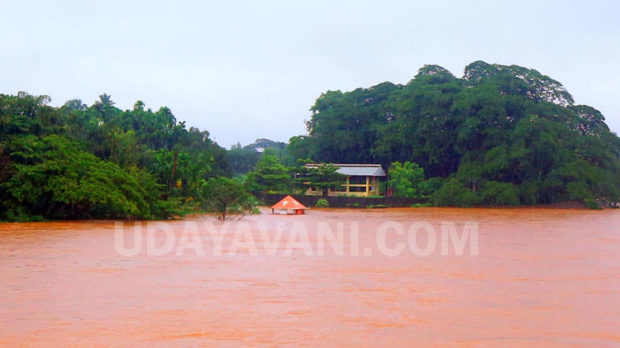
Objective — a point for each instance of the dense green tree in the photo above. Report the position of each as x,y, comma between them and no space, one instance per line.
406,179
345,126
75,160
298,148
52,177
225,196
496,133
243,159
269,175
455,193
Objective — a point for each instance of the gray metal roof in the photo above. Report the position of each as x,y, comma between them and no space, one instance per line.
357,169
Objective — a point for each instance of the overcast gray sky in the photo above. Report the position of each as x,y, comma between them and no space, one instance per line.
251,69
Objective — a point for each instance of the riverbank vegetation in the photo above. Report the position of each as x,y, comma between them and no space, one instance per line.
500,135
78,161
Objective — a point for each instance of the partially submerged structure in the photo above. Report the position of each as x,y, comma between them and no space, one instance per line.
288,206
362,180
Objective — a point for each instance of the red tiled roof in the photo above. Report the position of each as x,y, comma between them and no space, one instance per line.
288,202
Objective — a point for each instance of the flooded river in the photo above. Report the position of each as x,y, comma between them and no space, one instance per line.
384,277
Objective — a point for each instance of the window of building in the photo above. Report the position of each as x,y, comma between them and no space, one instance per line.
357,180
357,189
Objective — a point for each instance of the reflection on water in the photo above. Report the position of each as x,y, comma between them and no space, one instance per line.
542,277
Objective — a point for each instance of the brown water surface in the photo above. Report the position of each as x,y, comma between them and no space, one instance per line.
542,277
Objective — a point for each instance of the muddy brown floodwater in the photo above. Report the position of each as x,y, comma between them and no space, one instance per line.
541,277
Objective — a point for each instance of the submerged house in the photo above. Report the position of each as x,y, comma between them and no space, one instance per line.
362,180
288,206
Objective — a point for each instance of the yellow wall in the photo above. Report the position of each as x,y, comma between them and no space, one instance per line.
369,188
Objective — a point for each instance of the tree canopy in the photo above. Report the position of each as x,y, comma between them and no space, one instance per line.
500,134
406,179
225,196
269,175
78,161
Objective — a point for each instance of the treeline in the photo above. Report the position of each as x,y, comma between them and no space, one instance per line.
97,161
242,159
500,135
